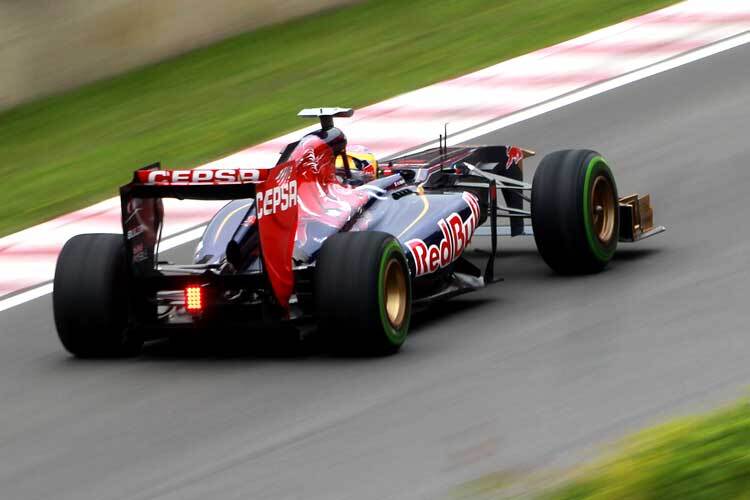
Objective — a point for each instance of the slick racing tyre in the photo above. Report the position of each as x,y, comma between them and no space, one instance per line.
91,303
574,211
363,292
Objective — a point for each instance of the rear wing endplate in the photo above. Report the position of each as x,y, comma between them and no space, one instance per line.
143,212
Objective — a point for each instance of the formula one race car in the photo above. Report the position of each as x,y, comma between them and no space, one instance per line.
351,248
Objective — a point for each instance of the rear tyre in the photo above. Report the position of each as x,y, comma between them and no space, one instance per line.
574,211
91,302
363,292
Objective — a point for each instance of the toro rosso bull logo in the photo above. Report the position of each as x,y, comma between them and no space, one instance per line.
515,156
456,235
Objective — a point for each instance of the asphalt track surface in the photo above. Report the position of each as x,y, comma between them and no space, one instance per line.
537,371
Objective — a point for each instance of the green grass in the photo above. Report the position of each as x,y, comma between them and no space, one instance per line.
67,151
700,458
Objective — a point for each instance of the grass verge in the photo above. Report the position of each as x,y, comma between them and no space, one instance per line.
700,458
68,151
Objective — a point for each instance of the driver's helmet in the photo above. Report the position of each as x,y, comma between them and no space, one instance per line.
362,163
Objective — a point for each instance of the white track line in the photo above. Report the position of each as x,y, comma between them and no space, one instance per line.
27,296
44,289
487,128
593,90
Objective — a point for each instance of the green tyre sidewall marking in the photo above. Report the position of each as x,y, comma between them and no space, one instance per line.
596,164
395,337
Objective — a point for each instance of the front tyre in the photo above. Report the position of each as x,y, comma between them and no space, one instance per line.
363,292
574,211
91,302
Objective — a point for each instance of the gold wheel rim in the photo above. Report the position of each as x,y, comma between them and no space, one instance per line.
395,294
603,209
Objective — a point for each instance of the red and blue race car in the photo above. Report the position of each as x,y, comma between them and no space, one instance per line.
331,237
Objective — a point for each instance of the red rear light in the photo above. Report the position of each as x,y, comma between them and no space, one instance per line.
194,299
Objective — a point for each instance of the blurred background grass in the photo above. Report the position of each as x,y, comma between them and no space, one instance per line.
706,457
701,457
68,151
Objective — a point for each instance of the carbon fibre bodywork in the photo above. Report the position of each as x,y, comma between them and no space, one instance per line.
260,250
334,239
257,256
430,201
433,225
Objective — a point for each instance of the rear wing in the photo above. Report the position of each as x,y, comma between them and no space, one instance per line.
153,182
273,189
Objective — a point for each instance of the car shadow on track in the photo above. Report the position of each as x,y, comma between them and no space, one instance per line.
443,310
515,266
269,344
286,344
525,265
629,254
